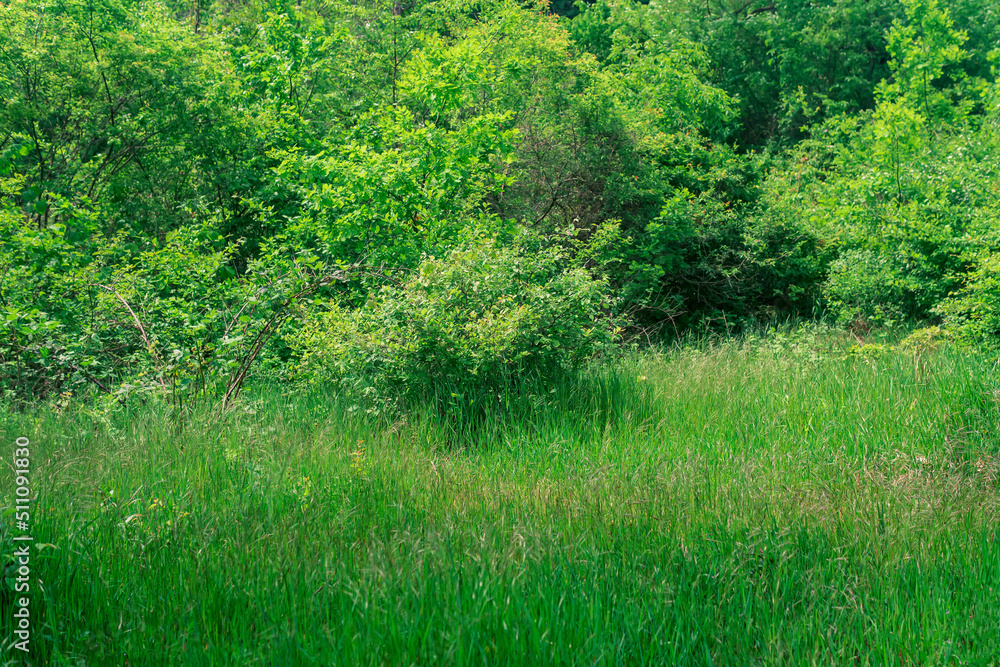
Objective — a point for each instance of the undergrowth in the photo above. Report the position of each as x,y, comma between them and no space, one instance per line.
789,498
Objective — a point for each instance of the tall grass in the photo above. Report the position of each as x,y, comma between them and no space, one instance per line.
775,501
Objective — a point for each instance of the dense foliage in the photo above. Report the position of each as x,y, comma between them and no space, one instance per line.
193,193
477,321
429,230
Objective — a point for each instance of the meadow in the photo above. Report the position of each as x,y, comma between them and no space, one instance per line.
792,498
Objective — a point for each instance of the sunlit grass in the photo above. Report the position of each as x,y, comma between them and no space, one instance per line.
774,501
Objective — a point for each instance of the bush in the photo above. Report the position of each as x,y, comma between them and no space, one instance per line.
866,285
475,322
126,314
973,312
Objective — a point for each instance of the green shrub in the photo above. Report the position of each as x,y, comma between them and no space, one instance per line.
865,284
973,313
475,322
124,314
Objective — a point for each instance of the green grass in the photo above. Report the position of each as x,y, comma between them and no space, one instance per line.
777,501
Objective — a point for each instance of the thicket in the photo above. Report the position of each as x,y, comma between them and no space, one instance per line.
401,193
